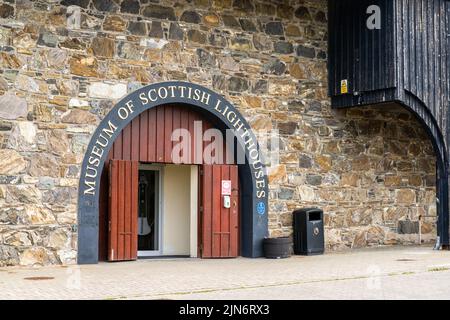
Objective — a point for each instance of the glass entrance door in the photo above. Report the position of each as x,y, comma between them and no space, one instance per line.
149,211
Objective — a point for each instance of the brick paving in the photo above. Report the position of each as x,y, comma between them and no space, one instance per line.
408,272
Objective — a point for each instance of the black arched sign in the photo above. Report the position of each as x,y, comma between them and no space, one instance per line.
253,177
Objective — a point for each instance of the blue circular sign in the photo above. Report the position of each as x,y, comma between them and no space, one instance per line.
261,208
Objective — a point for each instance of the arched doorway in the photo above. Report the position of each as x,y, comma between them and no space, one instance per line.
174,183
186,96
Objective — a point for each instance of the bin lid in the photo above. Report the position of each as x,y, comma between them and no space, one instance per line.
305,210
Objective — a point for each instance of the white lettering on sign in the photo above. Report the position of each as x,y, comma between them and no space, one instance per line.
96,153
226,187
160,95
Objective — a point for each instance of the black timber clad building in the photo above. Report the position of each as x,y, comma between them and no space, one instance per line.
403,58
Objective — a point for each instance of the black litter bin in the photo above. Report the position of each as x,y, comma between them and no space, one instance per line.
308,231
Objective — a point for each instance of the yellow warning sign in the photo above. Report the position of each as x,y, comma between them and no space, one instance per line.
344,86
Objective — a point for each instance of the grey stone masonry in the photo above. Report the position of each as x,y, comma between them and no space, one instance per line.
64,64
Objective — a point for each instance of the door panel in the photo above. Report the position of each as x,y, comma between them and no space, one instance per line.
235,196
219,225
123,206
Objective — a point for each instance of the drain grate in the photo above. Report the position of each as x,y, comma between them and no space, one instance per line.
39,278
405,260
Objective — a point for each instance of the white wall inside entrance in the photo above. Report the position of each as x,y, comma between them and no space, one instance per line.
194,210
179,222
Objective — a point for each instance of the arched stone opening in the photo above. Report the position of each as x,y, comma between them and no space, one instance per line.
388,167
254,187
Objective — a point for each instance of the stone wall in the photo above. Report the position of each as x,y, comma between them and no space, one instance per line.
65,63
368,168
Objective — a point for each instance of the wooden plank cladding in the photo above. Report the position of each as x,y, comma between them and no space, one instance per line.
148,138
406,60
363,57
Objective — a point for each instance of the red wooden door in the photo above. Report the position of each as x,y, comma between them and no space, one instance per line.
123,210
218,225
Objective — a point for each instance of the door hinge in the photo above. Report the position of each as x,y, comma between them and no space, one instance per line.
201,209
201,172
109,225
